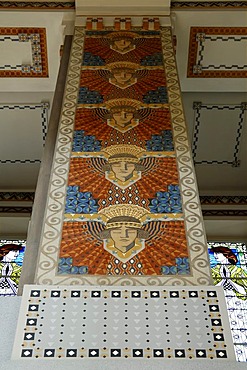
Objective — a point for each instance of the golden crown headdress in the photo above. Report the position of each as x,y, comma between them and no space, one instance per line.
122,65
123,152
123,103
122,34
126,214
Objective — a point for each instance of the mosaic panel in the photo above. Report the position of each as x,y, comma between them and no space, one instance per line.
125,217
207,47
11,255
229,270
115,322
36,38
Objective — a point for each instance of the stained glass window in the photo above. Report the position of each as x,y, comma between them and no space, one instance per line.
229,270
11,258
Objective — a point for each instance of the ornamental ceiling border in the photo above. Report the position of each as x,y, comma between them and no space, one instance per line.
37,5
204,199
197,51
214,202
53,220
36,38
70,5
200,5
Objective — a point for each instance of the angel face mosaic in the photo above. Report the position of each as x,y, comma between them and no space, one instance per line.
115,322
123,213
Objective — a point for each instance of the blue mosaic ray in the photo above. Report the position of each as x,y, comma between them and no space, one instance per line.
182,267
87,96
85,143
167,201
163,142
90,59
152,60
80,202
156,96
65,267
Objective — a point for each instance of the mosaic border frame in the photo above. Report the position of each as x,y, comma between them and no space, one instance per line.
53,220
14,31
193,48
41,303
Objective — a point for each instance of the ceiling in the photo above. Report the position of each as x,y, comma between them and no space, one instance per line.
217,127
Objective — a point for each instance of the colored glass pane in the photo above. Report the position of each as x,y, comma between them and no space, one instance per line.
11,259
229,269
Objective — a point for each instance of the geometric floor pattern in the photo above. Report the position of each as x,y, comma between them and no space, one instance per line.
122,322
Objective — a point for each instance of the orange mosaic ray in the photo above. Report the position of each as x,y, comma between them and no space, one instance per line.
143,47
85,250
99,81
161,173
153,123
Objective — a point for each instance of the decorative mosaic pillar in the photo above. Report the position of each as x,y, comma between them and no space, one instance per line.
123,206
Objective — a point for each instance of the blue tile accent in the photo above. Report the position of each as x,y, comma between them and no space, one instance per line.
90,59
87,96
85,143
65,267
182,267
167,201
80,202
152,60
163,142
156,96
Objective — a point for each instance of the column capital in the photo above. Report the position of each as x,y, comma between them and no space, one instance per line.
117,7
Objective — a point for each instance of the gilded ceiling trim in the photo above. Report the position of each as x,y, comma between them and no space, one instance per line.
208,4
14,209
205,212
37,5
204,199
224,213
70,5
7,196
217,200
